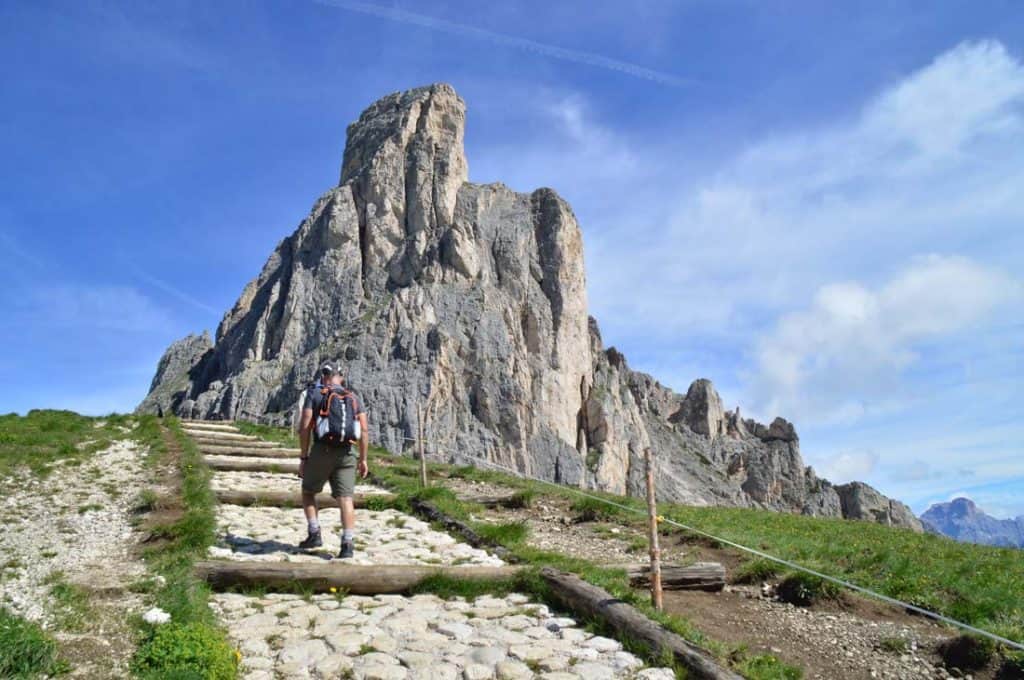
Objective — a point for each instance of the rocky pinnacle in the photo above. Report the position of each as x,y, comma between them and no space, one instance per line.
471,300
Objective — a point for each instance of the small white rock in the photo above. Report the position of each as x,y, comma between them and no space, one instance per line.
156,616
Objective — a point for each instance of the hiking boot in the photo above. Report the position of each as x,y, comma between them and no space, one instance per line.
347,549
312,541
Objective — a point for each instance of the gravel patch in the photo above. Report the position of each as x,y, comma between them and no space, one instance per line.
77,521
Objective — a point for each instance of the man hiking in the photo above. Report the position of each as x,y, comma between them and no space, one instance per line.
332,419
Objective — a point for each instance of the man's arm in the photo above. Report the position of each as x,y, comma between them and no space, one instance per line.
305,427
364,446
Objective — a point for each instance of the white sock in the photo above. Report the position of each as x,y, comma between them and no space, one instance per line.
314,526
346,535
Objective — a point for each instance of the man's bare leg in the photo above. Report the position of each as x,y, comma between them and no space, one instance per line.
313,540
309,507
347,507
348,513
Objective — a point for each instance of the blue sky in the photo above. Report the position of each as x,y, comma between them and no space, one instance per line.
815,205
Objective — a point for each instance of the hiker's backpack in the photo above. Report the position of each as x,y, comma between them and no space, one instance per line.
336,421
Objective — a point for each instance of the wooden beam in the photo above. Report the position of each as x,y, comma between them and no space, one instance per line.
243,465
214,450
377,579
429,512
287,499
237,441
588,602
699,576
512,501
219,425
654,572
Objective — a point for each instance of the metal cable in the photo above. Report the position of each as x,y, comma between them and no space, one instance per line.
792,565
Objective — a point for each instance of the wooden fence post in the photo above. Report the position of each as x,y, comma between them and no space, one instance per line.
652,520
422,450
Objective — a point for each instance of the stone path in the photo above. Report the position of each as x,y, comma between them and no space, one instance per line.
74,527
392,637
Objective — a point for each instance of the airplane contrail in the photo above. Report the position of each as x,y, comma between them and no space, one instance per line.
171,290
576,56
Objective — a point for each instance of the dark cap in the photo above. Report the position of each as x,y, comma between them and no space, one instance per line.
327,370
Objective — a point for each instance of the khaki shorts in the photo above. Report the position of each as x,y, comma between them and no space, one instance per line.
336,465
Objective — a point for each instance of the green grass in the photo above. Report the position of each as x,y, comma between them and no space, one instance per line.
191,644
26,651
894,645
804,589
506,534
70,602
40,439
755,570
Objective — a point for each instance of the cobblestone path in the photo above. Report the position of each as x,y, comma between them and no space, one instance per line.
390,637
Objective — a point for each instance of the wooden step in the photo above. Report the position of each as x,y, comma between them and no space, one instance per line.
251,465
225,436
210,425
216,450
377,579
239,443
708,576
287,499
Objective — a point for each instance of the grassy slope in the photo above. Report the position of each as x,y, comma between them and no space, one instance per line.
980,585
41,438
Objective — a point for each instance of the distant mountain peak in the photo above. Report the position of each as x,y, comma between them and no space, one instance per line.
963,520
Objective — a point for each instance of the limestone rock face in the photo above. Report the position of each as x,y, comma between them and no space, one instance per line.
860,501
470,300
173,381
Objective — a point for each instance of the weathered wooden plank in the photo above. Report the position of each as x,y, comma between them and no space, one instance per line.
225,438
251,465
243,451
700,576
216,425
512,500
377,579
588,601
467,533
287,499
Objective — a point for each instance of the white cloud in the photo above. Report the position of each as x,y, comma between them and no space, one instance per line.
930,164
850,347
571,149
850,466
